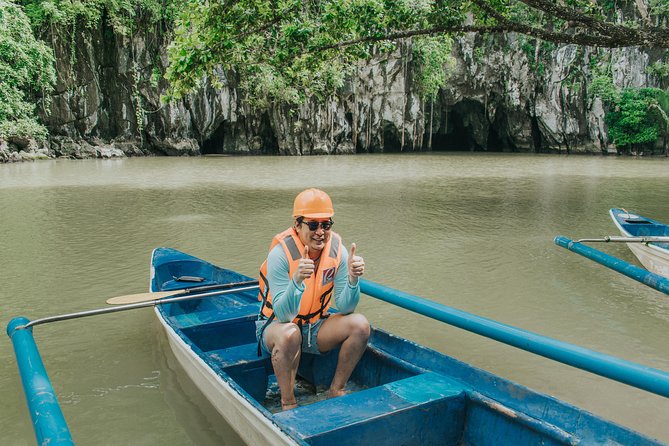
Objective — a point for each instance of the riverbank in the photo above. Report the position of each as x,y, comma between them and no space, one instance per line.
26,149
17,150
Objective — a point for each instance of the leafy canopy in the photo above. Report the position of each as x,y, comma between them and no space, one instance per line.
290,50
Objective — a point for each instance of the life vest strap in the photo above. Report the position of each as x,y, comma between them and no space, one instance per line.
324,303
264,290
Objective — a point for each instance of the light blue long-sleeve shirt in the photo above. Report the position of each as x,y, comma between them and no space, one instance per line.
287,295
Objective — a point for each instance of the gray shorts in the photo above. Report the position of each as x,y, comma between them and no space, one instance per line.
309,336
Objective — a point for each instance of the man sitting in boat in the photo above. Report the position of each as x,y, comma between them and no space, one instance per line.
307,265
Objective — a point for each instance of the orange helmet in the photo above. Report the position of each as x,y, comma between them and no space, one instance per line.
313,203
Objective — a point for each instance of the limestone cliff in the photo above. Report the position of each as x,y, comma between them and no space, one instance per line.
504,94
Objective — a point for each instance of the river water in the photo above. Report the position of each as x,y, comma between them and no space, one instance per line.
472,231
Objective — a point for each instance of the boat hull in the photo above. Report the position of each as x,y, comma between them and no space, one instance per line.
404,393
653,256
252,427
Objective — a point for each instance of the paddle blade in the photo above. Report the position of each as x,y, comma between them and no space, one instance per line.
142,297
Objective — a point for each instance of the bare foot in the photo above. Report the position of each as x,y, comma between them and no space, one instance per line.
332,393
288,406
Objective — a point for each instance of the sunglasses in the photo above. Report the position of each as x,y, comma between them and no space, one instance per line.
313,225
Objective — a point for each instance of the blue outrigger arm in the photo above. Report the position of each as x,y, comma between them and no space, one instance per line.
48,421
642,377
632,271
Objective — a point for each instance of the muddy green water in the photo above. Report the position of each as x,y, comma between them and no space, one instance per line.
470,231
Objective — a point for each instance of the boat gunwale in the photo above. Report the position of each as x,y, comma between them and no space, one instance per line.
661,247
228,383
496,387
175,334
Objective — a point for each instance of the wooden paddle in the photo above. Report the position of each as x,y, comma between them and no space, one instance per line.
253,285
613,238
148,297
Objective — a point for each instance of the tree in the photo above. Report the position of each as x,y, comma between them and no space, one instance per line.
636,118
299,49
26,69
660,109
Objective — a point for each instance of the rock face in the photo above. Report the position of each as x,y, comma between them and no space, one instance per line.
500,97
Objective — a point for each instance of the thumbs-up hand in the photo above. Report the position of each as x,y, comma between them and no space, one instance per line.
305,267
356,266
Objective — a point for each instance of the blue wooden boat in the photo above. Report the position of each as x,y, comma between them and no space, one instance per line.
402,393
653,254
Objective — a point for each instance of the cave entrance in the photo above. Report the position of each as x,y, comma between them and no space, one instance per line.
392,140
498,134
536,135
262,142
459,128
215,143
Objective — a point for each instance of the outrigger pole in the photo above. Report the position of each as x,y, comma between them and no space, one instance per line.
632,271
637,375
621,239
48,421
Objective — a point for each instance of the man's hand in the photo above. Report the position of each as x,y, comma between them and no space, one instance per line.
356,266
305,268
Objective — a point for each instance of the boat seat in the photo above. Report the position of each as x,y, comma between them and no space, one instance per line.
200,318
217,329
244,366
523,428
409,411
238,354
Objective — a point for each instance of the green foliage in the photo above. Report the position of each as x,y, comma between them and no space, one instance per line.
290,50
659,69
26,70
662,98
602,86
433,59
633,121
122,15
635,116
536,52
659,7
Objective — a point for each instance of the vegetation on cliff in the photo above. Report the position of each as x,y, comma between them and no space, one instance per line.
636,116
122,15
27,65
307,46
292,50
26,71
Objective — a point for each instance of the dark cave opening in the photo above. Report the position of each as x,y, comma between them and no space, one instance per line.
536,135
392,140
456,132
498,134
465,127
262,142
215,143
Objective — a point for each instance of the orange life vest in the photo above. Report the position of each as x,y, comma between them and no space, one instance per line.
318,288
